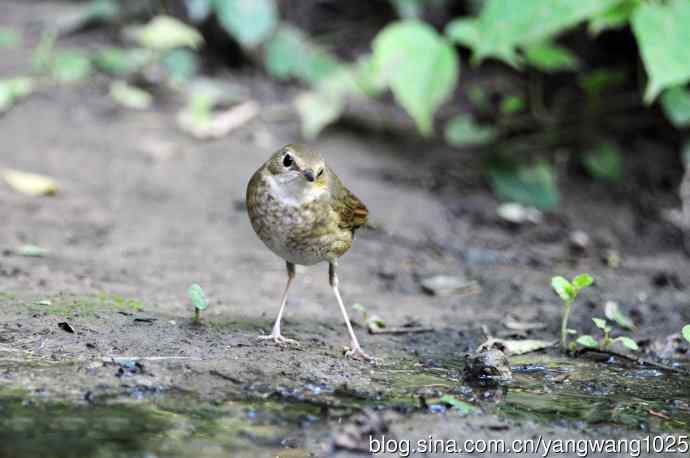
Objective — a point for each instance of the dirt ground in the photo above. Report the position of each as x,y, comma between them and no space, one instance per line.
143,211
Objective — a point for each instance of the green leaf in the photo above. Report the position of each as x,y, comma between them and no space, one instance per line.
420,67
563,288
122,62
130,96
164,33
627,342
463,131
512,104
549,57
614,18
71,66
604,162
600,323
317,110
506,24
663,33
686,332
249,21
587,341
614,313
182,64
197,296
459,405
582,281
529,185
676,104
290,54
9,37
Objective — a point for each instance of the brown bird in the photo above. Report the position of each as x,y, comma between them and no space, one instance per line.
303,213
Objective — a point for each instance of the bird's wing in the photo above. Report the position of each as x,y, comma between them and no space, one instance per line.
352,213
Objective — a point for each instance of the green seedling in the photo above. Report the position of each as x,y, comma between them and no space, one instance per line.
361,309
568,292
198,298
370,321
686,332
606,342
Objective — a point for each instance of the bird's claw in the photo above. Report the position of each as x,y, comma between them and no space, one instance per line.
356,352
279,339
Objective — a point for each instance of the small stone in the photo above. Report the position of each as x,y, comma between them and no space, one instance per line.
489,363
579,241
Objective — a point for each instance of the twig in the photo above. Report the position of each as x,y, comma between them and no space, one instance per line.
635,359
400,330
225,376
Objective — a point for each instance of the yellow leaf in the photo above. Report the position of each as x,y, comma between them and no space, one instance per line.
30,183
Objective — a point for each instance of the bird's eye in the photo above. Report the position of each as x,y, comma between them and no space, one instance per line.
287,160
320,173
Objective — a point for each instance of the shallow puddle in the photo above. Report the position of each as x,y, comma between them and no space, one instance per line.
167,425
577,393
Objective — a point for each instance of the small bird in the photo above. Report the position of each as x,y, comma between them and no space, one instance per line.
303,213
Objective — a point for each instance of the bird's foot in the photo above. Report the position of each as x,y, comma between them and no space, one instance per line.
356,352
278,339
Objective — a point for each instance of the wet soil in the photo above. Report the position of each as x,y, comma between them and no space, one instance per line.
99,355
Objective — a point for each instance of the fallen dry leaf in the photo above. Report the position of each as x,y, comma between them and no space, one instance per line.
30,183
516,347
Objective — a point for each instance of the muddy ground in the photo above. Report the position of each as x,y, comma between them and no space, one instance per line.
143,211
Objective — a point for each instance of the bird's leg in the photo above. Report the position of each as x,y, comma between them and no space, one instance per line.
355,350
275,334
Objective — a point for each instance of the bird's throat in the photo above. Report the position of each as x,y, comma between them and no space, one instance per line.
294,190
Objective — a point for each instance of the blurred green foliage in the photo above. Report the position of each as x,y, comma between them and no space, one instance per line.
419,64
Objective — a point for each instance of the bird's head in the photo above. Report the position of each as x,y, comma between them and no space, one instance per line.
299,169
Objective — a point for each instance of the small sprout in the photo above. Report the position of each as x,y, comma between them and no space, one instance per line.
375,324
605,343
196,294
361,309
606,329
686,332
568,292
587,341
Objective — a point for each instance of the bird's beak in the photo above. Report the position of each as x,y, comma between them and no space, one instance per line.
309,175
